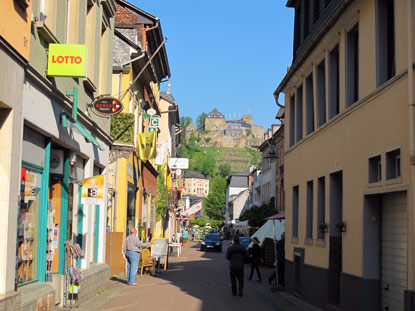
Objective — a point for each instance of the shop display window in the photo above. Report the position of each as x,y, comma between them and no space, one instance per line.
27,226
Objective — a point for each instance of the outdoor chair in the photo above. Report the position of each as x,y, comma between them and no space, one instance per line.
146,260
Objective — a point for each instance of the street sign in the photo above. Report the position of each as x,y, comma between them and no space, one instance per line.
182,163
154,121
151,111
107,106
178,172
152,129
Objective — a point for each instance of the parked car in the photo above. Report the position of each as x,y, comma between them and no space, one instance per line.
245,241
211,241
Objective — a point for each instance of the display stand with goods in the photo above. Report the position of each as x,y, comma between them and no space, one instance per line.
73,275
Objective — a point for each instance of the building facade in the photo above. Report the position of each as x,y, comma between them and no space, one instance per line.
57,143
196,184
348,155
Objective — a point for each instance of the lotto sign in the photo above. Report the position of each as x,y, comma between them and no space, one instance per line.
154,121
67,60
93,190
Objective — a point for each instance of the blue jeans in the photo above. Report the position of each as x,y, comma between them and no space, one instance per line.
133,258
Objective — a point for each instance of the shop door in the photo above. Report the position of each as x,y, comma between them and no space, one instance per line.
394,251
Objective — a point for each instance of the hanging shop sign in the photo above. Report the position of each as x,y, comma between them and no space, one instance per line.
182,163
68,60
93,190
107,106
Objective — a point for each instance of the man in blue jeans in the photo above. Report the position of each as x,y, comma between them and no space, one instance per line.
132,247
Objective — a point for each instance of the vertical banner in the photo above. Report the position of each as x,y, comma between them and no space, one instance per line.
192,210
93,190
146,143
161,151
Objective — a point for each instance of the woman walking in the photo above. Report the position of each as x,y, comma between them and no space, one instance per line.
256,258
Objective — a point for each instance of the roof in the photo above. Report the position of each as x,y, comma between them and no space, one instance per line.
215,114
167,96
194,174
238,181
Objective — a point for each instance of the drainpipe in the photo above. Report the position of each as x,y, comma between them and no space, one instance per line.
145,34
411,110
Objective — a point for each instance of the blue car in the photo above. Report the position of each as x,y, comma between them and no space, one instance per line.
212,241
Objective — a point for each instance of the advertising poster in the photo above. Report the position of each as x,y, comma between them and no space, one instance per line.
93,190
192,210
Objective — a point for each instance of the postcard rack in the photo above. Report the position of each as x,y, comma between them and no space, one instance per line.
73,275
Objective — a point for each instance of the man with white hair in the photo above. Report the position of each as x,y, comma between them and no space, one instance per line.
131,249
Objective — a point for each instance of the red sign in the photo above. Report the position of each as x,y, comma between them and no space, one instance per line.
107,106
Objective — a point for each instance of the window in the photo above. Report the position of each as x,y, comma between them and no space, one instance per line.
334,98
385,40
295,212
321,205
306,18
375,169
309,219
299,114
316,10
27,226
292,121
297,28
352,66
309,101
393,164
321,93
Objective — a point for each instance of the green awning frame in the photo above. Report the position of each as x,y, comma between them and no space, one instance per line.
65,117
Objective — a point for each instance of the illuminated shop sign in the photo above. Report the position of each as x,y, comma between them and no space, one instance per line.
107,106
67,60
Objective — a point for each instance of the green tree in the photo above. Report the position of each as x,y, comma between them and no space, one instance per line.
185,121
224,169
256,214
122,128
216,200
200,122
208,167
162,195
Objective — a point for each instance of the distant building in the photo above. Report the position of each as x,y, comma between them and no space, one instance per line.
196,184
236,183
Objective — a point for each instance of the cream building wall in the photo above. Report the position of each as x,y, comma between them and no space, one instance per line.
374,125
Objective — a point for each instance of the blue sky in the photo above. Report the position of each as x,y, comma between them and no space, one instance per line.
229,54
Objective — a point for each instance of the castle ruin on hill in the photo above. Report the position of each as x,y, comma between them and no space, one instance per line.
220,132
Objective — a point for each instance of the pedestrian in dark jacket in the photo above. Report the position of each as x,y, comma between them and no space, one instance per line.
236,254
256,259
280,246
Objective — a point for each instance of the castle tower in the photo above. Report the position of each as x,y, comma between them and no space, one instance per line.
215,121
247,118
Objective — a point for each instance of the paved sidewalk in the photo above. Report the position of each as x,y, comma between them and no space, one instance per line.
196,281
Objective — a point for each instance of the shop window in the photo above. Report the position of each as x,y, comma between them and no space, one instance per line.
393,164
375,169
27,226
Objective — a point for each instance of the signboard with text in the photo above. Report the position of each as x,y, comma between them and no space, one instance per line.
107,106
69,60
182,163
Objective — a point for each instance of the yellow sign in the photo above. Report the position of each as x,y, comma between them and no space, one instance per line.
67,60
147,146
93,190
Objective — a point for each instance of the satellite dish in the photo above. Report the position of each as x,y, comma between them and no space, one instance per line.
178,172
151,111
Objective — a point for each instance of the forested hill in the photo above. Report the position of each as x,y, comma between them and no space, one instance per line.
213,161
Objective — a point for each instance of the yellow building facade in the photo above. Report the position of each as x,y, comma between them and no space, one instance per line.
349,175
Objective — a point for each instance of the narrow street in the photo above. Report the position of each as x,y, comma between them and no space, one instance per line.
197,281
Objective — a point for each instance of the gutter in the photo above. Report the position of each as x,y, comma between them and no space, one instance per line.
310,47
411,111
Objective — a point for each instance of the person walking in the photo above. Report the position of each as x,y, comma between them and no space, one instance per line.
236,254
131,249
256,259
280,262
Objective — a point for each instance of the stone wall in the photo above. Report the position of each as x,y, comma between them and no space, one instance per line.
94,279
213,124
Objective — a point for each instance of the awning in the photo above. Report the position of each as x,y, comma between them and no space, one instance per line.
277,216
65,117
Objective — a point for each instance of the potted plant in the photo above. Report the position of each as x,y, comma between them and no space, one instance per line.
323,227
341,226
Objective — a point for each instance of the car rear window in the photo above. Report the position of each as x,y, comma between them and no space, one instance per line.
212,237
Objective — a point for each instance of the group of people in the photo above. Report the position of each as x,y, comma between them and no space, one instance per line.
237,254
